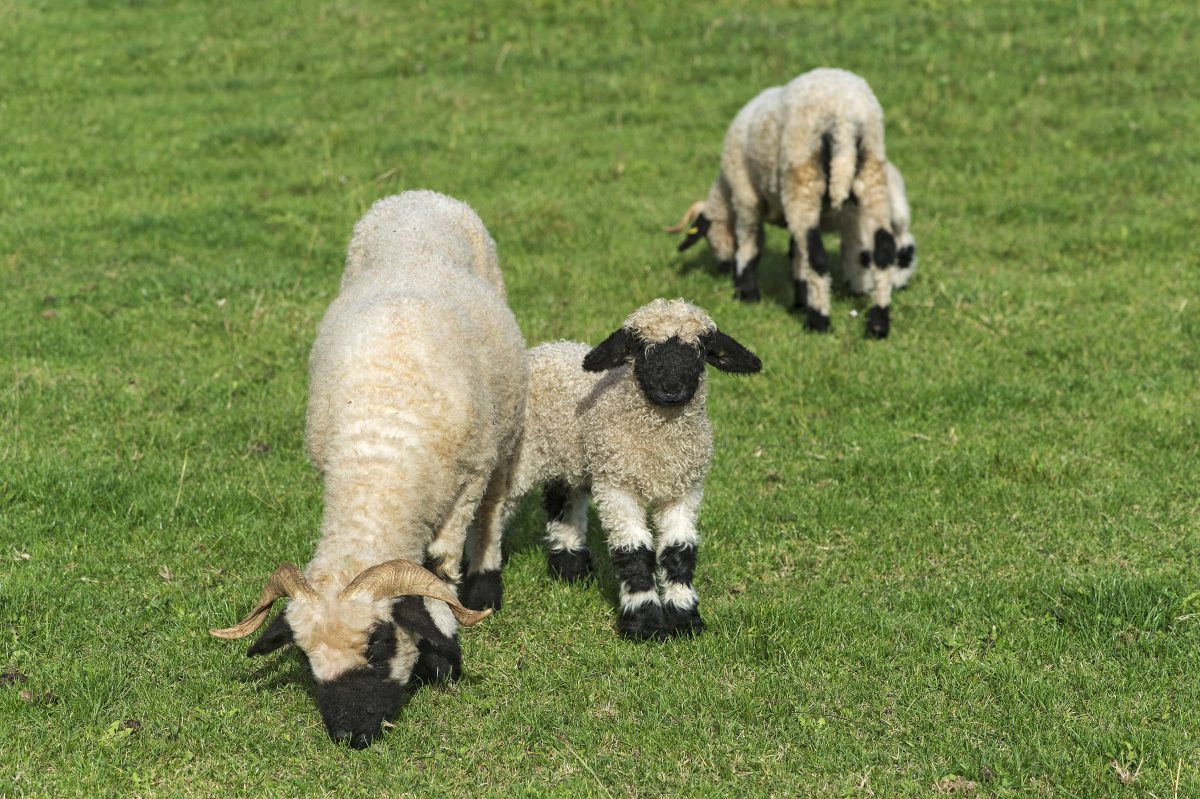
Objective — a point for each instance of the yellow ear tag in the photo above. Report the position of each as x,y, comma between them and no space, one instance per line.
693,230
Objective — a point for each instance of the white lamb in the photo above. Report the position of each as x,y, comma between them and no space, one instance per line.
792,150
627,423
417,391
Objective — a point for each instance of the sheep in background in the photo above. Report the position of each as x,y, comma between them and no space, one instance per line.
627,423
792,149
416,395
855,270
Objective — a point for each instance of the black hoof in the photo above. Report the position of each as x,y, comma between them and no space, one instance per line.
724,267
877,322
570,566
816,321
748,295
682,623
482,590
643,623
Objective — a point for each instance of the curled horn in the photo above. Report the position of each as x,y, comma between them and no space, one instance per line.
286,581
693,211
404,578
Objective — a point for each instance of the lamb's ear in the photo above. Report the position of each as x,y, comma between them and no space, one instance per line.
696,232
278,634
727,355
610,353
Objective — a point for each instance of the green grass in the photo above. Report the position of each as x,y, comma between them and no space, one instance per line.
970,550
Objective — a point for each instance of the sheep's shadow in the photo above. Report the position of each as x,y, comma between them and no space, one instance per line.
288,667
525,533
775,281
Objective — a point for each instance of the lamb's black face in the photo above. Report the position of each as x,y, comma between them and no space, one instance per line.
354,705
668,373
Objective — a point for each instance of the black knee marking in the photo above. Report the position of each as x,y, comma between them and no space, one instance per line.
791,247
864,259
818,259
643,623
724,267
878,322
555,496
816,321
885,248
905,256
678,563
682,622
746,284
570,565
482,589
801,300
635,568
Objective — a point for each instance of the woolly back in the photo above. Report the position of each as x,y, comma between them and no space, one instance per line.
409,230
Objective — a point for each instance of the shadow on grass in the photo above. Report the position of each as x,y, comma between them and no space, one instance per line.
1117,605
774,278
525,533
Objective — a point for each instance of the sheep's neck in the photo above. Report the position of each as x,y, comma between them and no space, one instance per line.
367,521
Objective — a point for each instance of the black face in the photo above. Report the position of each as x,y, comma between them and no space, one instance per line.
668,373
697,231
355,705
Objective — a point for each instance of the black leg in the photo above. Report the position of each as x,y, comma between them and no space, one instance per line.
818,260
746,283
681,616
641,615
482,590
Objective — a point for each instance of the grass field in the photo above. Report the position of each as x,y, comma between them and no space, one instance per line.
961,560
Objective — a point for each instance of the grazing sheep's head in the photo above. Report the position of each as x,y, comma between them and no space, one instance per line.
696,222
669,342
362,642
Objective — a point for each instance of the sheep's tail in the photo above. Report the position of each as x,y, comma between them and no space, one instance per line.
843,143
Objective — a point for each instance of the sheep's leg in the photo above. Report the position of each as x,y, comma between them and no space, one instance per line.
631,548
677,541
801,297
482,587
876,227
567,552
856,255
749,248
803,187
446,550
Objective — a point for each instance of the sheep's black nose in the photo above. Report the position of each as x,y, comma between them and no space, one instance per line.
673,395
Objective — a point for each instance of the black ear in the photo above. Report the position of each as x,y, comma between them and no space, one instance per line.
696,232
278,634
727,355
610,353
410,612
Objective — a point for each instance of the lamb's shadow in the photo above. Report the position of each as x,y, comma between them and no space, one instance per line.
526,531
775,281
